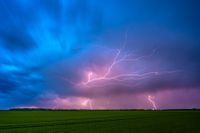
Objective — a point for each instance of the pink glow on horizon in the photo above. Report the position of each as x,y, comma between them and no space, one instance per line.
166,99
72,103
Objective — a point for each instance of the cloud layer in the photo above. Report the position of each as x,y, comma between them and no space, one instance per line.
64,54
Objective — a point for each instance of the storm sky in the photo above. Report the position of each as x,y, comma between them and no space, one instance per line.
106,54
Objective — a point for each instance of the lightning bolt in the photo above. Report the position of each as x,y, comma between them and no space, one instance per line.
152,102
87,102
101,80
93,77
109,77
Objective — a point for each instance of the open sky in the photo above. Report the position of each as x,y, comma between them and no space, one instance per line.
100,54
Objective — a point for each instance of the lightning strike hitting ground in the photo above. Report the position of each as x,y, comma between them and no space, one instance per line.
87,102
152,102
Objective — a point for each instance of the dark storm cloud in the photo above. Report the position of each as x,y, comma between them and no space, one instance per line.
13,79
14,28
16,39
6,84
71,24
46,46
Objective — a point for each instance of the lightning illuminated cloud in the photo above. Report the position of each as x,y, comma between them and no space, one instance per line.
108,76
92,77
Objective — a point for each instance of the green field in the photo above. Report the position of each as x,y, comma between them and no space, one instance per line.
100,121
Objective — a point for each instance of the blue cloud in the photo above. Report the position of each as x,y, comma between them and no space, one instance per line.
43,43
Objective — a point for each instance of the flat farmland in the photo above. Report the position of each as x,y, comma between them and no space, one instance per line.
83,121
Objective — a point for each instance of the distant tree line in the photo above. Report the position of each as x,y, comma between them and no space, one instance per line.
49,109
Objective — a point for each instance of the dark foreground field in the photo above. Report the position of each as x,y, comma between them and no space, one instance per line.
100,121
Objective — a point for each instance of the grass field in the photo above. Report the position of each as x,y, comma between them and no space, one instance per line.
100,121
